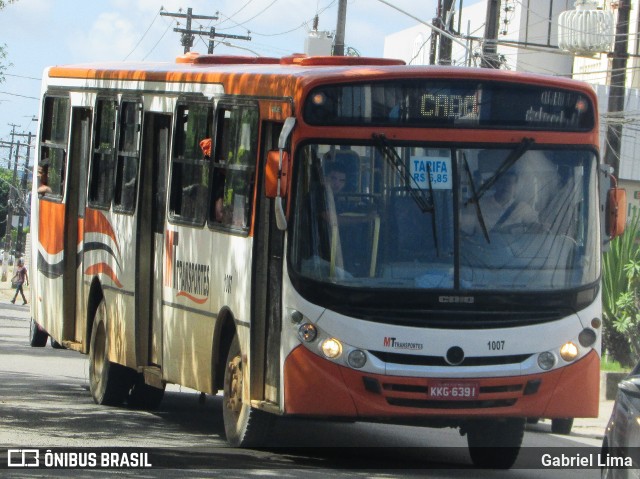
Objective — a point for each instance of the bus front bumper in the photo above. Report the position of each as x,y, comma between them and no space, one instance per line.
317,387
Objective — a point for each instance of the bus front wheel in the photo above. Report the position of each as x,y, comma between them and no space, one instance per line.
495,444
562,425
244,426
109,382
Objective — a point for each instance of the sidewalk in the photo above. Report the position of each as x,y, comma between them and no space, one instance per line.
594,427
7,292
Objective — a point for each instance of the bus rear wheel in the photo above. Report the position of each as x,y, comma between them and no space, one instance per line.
144,396
37,337
109,382
495,444
244,426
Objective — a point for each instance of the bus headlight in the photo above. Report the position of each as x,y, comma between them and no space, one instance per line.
332,348
546,360
587,337
307,332
357,358
569,351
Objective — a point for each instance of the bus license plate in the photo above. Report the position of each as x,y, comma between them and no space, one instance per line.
454,391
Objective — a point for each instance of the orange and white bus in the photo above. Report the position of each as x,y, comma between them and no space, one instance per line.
325,237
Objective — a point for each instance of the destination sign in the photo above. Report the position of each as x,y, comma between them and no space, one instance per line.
450,104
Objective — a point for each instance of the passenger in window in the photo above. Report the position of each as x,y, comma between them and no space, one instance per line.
336,178
218,182
205,146
218,194
43,177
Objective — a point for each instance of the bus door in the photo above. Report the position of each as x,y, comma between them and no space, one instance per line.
79,152
150,236
267,286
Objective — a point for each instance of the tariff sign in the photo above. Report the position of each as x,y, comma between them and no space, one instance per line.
454,391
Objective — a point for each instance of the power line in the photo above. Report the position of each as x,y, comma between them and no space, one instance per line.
144,34
22,76
21,96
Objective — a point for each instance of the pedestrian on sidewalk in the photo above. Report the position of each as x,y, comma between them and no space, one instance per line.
19,279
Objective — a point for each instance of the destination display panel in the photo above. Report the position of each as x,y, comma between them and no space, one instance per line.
450,104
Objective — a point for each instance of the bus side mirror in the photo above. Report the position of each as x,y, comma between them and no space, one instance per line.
276,177
616,217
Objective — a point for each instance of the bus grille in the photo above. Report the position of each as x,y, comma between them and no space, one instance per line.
416,360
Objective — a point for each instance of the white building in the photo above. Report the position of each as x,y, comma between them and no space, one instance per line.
526,22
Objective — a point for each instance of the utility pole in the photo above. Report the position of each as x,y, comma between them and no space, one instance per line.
20,243
187,37
12,200
446,23
7,230
338,48
490,46
435,35
617,89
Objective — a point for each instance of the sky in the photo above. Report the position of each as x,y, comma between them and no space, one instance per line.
41,33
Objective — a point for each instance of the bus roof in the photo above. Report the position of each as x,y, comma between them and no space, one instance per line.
289,76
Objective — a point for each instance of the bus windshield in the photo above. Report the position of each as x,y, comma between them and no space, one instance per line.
413,216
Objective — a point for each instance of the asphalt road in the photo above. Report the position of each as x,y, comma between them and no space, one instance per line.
45,404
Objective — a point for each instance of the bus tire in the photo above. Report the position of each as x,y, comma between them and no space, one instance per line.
109,382
143,396
562,425
495,444
37,337
244,426
55,344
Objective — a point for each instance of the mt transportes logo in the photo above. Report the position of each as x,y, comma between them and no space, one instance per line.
394,343
190,279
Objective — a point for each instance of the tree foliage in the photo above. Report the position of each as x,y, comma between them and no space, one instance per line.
5,187
3,48
621,296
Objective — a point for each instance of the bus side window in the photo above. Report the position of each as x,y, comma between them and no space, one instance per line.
190,168
101,179
234,166
55,133
128,157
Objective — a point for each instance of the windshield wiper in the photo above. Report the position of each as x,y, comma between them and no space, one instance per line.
476,200
392,157
508,162
414,190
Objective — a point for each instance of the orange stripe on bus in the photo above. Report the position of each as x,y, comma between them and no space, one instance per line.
103,268
192,298
51,226
96,222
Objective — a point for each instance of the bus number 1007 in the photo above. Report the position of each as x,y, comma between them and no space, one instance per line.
495,345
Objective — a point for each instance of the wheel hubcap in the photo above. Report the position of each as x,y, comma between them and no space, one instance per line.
234,396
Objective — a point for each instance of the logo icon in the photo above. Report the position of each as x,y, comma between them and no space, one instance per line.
23,458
